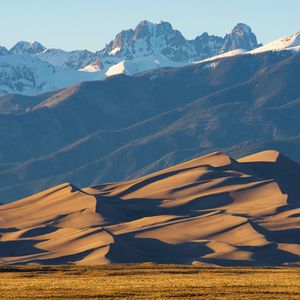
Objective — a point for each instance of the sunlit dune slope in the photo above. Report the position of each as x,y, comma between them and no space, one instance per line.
211,210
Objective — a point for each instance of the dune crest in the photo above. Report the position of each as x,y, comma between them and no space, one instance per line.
209,210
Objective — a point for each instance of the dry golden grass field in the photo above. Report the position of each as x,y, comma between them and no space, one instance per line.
148,281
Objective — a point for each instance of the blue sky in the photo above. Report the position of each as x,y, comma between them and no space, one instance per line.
78,24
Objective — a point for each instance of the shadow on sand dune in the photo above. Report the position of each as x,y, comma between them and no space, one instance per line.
211,209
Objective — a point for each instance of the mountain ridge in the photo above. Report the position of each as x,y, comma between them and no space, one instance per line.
147,46
152,120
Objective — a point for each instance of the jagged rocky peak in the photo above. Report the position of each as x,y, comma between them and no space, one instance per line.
3,51
121,39
24,47
207,45
241,29
159,38
161,29
147,29
241,37
146,38
150,45
143,30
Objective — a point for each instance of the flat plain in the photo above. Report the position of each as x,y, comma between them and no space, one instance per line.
148,281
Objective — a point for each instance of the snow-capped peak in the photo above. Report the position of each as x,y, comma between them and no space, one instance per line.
145,29
155,35
36,47
241,37
144,23
290,42
149,45
3,51
148,39
241,29
24,47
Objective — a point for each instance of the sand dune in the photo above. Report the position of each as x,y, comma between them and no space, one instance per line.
210,210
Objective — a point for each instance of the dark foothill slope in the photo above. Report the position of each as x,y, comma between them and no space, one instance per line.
138,124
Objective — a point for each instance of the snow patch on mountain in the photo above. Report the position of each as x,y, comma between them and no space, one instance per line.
114,51
226,54
27,75
73,59
130,67
291,42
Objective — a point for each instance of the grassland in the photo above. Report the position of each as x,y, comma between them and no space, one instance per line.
148,282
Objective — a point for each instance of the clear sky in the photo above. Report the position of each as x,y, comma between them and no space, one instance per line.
90,24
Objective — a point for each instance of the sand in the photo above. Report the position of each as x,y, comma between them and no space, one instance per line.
210,210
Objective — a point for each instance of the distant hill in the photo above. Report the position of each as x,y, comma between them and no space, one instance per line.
15,103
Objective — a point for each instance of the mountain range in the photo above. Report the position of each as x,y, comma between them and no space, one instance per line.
118,156
124,127
30,68
212,210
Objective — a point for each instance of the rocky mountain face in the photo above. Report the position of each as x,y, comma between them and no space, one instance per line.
159,40
149,39
148,46
3,51
27,48
241,37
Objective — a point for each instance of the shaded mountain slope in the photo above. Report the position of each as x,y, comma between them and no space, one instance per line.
186,111
212,209
121,101
15,103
